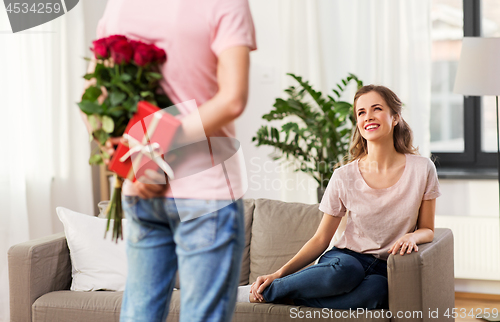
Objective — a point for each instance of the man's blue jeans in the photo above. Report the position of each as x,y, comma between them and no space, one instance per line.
207,251
342,279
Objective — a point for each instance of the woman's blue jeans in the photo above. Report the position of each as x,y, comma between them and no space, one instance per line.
342,279
206,250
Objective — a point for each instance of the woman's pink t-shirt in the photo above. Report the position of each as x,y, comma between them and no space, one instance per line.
378,217
193,33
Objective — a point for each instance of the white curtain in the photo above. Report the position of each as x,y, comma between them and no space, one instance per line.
384,42
44,145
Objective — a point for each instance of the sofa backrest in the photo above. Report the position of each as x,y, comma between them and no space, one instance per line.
278,231
245,263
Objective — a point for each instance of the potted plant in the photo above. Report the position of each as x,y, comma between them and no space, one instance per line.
317,133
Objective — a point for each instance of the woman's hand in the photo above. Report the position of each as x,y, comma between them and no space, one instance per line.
261,284
405,244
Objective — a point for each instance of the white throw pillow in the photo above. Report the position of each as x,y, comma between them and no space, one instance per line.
97,263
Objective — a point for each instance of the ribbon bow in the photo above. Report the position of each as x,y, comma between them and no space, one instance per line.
152,150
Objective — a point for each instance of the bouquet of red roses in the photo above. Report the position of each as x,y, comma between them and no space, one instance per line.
126,72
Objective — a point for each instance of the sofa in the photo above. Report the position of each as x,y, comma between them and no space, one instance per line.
421,284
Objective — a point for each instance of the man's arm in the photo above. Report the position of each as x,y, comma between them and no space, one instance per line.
231,98
225,106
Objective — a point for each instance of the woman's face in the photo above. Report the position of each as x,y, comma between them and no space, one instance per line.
374,118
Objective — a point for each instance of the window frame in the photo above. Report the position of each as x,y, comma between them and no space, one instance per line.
473,158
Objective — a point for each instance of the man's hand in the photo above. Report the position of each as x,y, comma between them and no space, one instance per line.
153,184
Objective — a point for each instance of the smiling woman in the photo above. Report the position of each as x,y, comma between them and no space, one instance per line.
390,212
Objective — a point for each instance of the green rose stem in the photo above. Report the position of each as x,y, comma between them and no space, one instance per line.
115,211
139,74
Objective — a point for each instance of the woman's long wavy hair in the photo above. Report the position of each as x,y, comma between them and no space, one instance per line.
402,134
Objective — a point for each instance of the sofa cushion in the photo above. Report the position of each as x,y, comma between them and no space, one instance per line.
268,312
97,262
279,230
104,306
77,306
245,262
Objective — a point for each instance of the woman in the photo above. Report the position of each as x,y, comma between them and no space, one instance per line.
390,193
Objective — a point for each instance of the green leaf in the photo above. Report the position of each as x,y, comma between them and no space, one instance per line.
116,97
275,134
146,93
88,76
89,107
116,111
94,122
343,108
290,126
105,155
92,93
101,136
95,159
107,124
127,88
126,77
101,71
154,75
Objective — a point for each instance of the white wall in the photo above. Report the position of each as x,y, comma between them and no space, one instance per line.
470,208
265,75
267,178
92,11
477,198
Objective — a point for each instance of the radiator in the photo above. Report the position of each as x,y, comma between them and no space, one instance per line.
477,246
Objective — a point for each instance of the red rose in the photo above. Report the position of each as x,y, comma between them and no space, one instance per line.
100,48
112,39
121,52
135,44
144,54
160,55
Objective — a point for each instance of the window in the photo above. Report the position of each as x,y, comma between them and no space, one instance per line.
463,129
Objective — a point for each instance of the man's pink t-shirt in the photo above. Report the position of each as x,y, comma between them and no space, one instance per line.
378,217
193,33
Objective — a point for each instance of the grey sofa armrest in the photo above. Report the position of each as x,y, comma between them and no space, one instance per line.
37,267
423,281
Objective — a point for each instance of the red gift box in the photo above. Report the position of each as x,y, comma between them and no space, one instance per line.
150,133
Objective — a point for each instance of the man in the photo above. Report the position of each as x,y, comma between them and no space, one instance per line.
207,45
